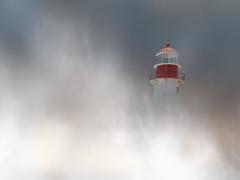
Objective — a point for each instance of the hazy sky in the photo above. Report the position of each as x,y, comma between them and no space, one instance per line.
69,63
204,32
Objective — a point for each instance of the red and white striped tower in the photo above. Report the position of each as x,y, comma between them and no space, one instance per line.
167,78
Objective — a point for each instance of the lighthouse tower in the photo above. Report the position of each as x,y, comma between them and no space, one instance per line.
166,78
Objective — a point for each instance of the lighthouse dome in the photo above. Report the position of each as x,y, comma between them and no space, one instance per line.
168,50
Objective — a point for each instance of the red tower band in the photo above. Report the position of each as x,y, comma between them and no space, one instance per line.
167,71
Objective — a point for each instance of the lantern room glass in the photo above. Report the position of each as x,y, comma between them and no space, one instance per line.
167,58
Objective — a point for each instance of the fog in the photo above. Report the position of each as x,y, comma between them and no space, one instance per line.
76,102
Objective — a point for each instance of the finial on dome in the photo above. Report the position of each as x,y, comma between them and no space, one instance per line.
168,44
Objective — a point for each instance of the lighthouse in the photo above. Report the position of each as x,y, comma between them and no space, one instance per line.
167,78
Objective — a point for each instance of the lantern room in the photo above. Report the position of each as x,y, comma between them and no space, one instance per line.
167,63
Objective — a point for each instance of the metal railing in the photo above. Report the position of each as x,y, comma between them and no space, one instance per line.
152,75
181,76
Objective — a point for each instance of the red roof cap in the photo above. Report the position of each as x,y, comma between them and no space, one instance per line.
167,49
